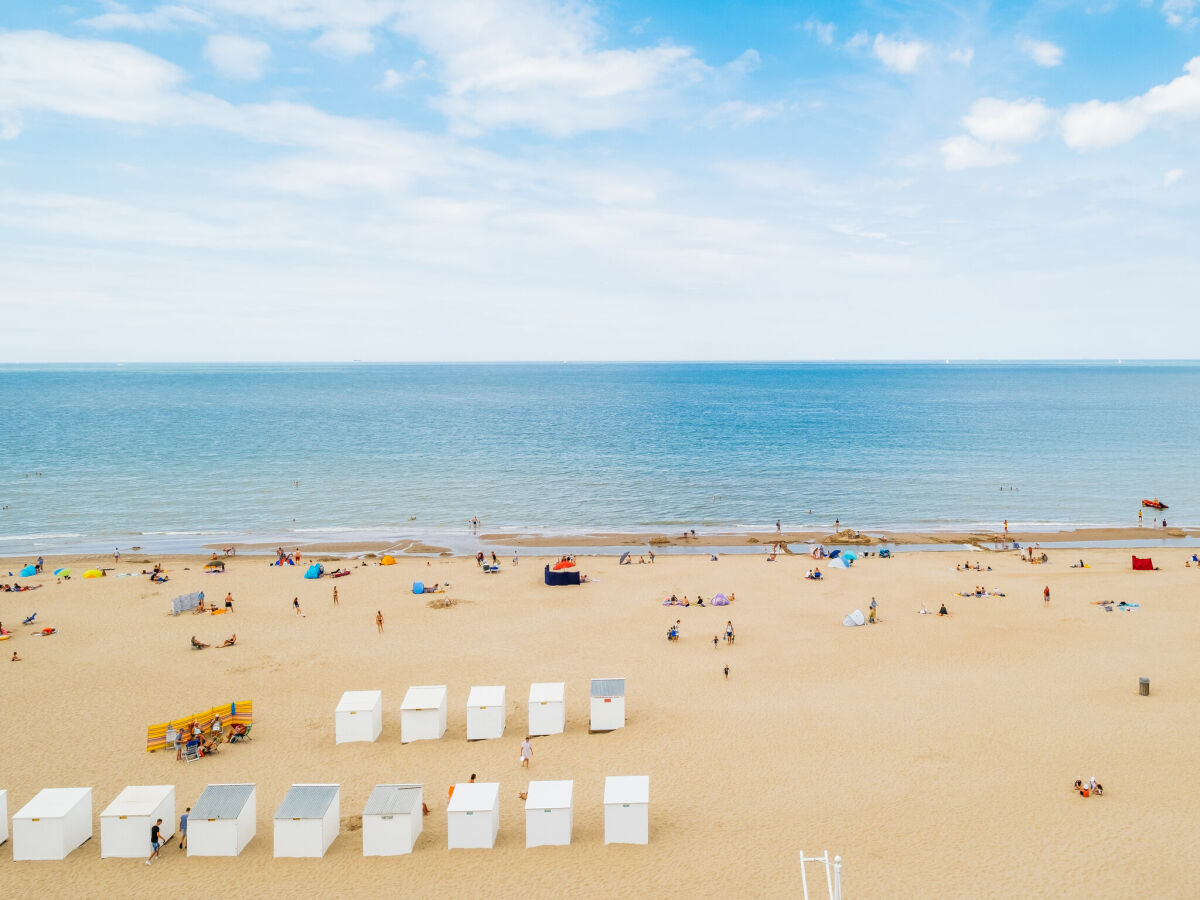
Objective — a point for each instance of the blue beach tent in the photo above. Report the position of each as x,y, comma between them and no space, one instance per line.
418,587
316,570
27,571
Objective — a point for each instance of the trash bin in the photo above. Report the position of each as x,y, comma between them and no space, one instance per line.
1144,687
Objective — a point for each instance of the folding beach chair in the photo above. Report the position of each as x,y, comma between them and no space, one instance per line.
29,621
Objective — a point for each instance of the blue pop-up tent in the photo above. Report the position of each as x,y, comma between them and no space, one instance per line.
316,570
27,571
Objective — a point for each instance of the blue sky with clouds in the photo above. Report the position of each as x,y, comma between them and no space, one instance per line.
537,179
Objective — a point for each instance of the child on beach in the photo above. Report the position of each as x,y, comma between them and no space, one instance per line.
726,672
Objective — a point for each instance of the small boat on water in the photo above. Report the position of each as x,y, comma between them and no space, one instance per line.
1154,504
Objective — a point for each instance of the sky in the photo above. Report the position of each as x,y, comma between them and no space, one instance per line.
410,180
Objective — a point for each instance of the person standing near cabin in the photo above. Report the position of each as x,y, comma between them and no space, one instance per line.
155,840
183,828
526,752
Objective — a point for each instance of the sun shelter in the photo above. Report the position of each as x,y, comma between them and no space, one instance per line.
54,823
423,713
28,571
184,602
547,710
392,819
93,573
473,816
358,717
562,576
549,813
125,824
627,809
388,561
608,704
316,570
223,820
3,816
485,712
838,563
854,618
307,820
1143,565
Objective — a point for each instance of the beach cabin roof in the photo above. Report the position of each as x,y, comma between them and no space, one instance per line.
546,692
307,801
138,800
393,799
476,797
627,789
222,801
549,795
52,803
359,701
429,696
486,695
608,687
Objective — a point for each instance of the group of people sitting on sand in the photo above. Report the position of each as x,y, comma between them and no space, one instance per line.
200,645
813,575
926,611
981,591
1089,787
204,740
684,601
967,567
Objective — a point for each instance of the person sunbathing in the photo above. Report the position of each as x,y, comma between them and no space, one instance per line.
197,644
229,641
236,730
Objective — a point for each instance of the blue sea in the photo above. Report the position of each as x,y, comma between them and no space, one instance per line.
179,456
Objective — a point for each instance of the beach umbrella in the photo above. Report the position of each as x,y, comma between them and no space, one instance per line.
27,571
93,573
850,555
63,573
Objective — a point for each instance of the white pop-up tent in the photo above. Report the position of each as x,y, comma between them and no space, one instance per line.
627,809
485,712
547,711
854,618
223,820
358,717
473,816
423,713
307,820
125,824
392,819
608,704
3,816
549,813
54,823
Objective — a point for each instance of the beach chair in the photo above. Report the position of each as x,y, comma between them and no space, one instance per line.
242,737
29,620
191,751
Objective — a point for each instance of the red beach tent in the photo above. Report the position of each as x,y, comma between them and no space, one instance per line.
1142,565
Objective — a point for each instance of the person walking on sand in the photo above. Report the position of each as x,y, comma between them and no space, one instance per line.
729,631
526,752
296,605
183,828
116,554
229,602
155,840
379,620
1046,595
716,642
727,671
335,603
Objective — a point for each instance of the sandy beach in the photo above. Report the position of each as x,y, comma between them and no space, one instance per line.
936,755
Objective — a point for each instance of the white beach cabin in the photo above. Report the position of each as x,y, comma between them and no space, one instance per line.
3,816
547,711
125,824
307,820
423,713
549,813
608,704
54,823
358,717
627,809
485,712
392,819
473,816
223,820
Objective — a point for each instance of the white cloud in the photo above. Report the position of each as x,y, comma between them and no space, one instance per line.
963,56
233,56
1179,13
539,64
344,43
742,113
1043,53
1171,176
393,78
746,63
899,56
300,15
822,31
964,152
1007,121
160,18
1095,125
859,39
10,126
